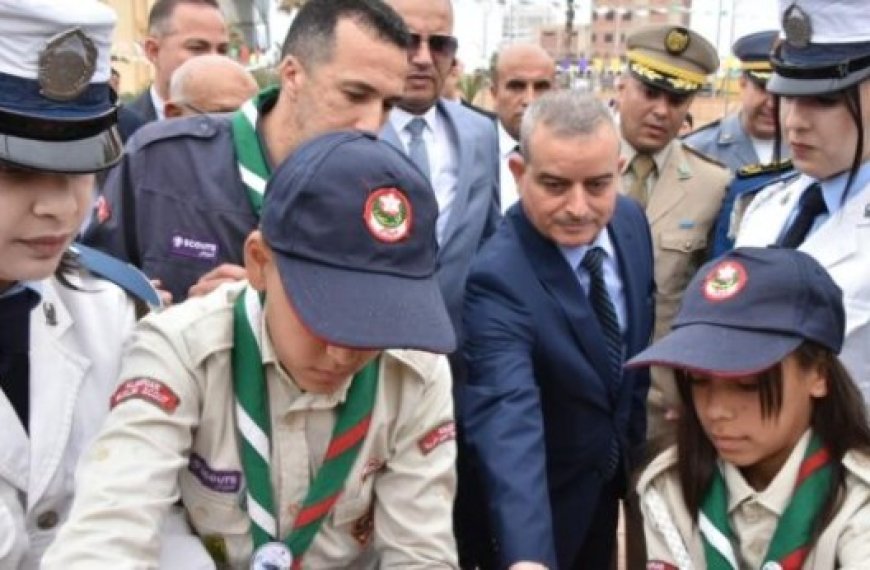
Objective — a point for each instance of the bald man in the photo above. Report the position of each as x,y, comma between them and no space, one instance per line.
522,73
208,84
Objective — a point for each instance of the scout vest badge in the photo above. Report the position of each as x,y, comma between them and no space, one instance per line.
254,428
789,546
253,167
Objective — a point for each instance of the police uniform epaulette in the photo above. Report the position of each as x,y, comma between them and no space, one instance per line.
118,272
197,126
753,170
703,156
757,182
702,128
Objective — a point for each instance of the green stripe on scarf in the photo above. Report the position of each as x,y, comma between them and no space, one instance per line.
789,546
251,158
351,428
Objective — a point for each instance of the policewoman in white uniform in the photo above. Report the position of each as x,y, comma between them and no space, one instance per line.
61,328
280,410
821,75
771,469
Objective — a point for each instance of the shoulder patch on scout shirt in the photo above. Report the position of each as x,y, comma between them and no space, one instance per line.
444,432
148,389
659,565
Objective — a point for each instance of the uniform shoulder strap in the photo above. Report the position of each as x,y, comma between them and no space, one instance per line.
122,274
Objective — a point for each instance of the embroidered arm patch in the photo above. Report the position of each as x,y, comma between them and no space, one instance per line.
442,433
152,391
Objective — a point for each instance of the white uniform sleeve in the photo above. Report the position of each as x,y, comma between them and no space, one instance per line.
13,535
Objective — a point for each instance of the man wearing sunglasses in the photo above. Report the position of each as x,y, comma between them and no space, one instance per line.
457,148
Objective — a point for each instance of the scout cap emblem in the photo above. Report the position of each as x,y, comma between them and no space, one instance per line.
724,281
388,215
66,65
677,41
797,27
272,556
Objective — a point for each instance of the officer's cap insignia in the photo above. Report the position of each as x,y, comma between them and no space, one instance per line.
66,65
677,41
797,27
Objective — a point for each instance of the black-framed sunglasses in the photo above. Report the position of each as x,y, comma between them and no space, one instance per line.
440,46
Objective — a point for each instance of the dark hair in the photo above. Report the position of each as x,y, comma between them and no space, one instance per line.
839,419
68,264
161,13
311,37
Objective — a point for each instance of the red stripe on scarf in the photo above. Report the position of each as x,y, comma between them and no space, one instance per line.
348,439
315,511
795,560
812,464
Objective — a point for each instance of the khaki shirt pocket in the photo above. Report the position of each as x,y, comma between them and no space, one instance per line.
678,254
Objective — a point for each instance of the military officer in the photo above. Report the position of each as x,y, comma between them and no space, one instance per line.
821,73
278,409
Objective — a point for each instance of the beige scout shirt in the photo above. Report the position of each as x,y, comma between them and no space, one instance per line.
175,437
844,544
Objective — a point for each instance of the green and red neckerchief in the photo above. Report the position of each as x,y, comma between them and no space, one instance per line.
251,157
789,546
254,427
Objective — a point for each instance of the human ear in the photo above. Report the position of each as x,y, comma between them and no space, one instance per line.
818,379
151,47
258,256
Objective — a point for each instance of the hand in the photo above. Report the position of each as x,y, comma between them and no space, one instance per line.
165,296
224,273
527,566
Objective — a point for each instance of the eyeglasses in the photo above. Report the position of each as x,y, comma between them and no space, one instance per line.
440,46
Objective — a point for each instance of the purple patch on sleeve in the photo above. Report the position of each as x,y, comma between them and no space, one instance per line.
219,481
193,248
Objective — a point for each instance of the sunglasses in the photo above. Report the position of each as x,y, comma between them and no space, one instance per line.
440,46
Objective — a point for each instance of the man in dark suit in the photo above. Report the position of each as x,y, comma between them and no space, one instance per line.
177,31
556,300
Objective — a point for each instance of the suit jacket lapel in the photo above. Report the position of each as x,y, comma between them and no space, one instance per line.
669,189
625,243
389,134
561,282
463,174
56,370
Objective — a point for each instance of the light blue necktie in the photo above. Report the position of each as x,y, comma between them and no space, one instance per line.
417,148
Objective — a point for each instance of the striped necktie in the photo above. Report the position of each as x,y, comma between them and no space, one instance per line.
602,304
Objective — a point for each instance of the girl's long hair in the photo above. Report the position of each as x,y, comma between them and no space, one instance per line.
839,418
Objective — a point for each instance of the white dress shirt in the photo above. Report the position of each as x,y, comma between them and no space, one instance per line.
507,185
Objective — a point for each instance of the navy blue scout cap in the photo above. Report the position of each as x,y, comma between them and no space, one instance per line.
747,310
56,109
826,47
352,223
753,51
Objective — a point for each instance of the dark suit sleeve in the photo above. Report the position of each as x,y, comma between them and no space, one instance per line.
493,215
501,413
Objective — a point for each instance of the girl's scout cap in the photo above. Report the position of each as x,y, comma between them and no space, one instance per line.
56,112
352,223
672,58
747,310
826,47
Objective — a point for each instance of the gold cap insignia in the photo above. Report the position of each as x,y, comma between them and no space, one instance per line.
797,27
677,41
66,65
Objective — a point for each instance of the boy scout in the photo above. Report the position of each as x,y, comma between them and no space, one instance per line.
273,408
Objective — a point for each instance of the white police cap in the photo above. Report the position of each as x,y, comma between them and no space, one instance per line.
57,112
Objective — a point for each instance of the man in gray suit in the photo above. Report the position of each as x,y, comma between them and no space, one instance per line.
747,136
456,148
177,31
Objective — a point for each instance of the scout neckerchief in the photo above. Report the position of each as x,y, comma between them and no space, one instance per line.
254,427
789,546
253,167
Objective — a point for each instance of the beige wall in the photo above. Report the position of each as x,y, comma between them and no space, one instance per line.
130,60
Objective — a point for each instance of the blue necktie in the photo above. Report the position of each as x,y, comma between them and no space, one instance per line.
811,205
417,147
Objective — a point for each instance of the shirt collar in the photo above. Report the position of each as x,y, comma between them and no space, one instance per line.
575,255
660,158
35,286
834,187
159,104
775,498
400,118
506,143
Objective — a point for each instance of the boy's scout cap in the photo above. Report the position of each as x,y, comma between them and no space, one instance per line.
672,58
826,47
753,51
56,109
747,310
351,221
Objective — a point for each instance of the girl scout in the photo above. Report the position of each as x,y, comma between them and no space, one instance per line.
821,75
772,464
61,328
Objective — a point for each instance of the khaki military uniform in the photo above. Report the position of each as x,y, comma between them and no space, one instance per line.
173,435
684,198
844,544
